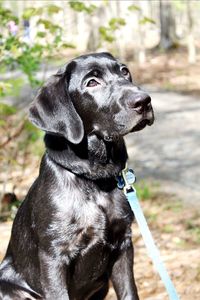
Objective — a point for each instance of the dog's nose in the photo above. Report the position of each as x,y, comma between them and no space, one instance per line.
140,102
142,99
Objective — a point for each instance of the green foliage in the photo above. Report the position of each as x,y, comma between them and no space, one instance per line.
146,20
39,11
115,23
68,45
29,62
31,11
53,9
107,32
134,8
16,53
52,28
13,86
6,15
81,7
20,137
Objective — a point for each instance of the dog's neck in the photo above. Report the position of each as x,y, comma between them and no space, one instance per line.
93,158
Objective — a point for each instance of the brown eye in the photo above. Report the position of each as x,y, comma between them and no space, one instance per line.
92,83
125,71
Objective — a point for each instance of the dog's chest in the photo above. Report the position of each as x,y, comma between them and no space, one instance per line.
102,226
92,223
88,230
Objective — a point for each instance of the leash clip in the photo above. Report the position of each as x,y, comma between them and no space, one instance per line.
126,179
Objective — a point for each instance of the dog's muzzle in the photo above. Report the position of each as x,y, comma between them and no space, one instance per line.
141,104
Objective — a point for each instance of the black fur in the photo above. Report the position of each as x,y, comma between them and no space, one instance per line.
72,233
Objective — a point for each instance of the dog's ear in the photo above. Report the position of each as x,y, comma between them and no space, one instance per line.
54,112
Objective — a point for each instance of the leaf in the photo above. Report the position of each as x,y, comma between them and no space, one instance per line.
6,15
77,6
28,12
102,30
55,28
47,24
10,42
81,7
91,8
53,9
146,20
115,23
106,34
41,34
31,11
68,45
134,7
57,40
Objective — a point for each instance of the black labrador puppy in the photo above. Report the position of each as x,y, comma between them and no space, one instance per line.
72,233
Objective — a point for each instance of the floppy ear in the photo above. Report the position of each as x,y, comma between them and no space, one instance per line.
54,112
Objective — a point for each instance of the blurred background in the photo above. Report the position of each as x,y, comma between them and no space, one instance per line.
159,40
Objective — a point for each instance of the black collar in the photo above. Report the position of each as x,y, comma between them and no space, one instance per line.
93,158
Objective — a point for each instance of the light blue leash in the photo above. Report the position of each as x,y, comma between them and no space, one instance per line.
125,182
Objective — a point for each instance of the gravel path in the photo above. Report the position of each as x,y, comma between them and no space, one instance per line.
169,151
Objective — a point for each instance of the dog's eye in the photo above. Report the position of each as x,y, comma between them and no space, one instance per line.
92,83
125,71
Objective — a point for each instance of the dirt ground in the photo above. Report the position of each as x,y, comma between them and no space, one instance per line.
176,229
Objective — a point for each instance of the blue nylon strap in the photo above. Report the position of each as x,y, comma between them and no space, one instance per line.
149,242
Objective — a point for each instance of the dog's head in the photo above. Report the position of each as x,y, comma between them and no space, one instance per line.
92,94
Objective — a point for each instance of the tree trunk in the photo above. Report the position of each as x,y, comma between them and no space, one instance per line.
94,22
141,37
167,26
191,41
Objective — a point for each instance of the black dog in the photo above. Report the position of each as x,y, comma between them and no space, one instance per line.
73,231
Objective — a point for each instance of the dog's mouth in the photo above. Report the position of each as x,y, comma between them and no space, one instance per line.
122,129
139,126
142,124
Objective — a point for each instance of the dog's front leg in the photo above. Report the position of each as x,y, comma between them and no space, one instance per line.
53,276
122,276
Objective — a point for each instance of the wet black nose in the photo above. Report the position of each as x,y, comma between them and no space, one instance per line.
140,102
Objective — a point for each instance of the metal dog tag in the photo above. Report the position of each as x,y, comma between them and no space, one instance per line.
129,176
